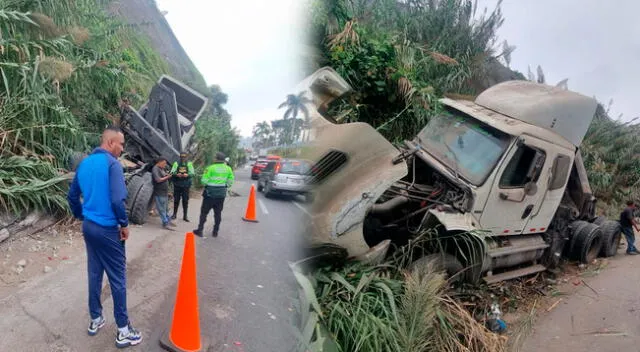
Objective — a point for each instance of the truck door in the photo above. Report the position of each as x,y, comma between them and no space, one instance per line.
519,187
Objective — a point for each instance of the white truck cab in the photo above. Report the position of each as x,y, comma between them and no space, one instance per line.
498,182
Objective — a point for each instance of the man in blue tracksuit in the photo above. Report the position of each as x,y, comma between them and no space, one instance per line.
99,180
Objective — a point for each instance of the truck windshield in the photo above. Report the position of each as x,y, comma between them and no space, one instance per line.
466,145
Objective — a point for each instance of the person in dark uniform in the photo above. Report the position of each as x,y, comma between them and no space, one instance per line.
217,179
628,224
182,173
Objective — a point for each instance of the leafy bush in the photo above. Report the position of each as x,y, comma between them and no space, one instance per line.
65,67
385,308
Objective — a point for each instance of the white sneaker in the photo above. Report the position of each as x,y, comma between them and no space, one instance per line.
94,327
133,338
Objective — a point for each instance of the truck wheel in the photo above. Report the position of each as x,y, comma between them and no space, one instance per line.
611,235
574,229
440,262
588,243
556,244
133,187
600,220
142,202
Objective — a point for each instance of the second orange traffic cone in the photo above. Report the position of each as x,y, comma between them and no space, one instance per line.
250,213
184,334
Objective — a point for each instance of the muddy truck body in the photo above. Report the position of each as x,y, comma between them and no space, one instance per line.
495,187
164,126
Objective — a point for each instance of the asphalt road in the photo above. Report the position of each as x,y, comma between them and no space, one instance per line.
246,287
244,282
603,315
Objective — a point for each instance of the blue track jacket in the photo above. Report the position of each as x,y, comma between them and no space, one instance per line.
100,180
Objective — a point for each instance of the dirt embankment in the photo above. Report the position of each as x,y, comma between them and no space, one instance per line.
145,15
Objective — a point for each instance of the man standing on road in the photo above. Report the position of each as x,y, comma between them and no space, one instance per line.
628,224
161,191
99,180
182,172
217,178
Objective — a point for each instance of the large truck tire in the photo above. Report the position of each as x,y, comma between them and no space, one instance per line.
600,220
611,235
587,243
440,262
133,187
557,243
141,204
574,228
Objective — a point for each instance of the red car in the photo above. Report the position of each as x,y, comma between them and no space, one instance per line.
260,164
257,168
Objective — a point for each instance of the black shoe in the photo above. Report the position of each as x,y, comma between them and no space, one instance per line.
173,217
186,219
197,232
215,234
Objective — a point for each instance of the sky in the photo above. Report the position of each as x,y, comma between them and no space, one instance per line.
593,43
249,48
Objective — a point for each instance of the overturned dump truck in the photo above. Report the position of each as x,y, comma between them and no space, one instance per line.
163,126
497,184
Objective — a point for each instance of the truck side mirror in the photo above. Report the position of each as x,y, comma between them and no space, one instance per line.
531,188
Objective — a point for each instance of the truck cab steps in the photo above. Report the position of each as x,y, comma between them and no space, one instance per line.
490,279
511,250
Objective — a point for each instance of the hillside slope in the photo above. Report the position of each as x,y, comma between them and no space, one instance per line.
68,67
145,15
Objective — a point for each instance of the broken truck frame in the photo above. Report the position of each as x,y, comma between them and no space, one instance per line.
163,126
498,181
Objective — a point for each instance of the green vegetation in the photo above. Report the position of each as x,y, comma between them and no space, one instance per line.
400,58
285,131
388,307
611,152
65,67
214,132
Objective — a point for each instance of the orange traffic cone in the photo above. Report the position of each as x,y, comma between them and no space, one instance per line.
184,334
250,213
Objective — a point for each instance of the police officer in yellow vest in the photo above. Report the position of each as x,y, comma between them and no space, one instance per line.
182,174
217,178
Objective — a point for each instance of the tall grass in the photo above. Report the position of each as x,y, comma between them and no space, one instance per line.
611,152
400,57
64,67
389,307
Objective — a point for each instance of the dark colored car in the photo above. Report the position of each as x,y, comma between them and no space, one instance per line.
257,168
260,164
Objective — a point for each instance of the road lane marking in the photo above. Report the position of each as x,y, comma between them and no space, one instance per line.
301,208
263,207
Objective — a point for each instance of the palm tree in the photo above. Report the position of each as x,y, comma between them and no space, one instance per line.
262,132
295,104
